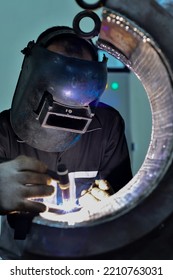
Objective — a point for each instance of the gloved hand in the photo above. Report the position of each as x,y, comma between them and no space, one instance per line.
98,191
20,180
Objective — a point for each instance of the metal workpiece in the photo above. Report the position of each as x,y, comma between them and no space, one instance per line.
149,15
138,33
137,49
49,239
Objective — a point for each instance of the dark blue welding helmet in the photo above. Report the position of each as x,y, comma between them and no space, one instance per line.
56,94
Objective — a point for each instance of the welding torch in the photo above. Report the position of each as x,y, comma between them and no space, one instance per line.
62,178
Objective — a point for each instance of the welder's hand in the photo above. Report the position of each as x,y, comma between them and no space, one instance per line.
98,191
22,179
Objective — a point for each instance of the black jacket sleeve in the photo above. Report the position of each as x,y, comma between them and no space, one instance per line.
4,135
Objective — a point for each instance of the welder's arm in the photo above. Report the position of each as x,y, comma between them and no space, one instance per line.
116,165
22,179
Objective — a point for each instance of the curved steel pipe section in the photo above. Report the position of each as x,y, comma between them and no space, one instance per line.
136,48
137,33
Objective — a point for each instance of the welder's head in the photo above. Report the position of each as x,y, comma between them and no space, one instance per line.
58,90
64,40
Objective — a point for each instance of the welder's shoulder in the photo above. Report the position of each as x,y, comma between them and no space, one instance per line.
5,124
5,118
107,113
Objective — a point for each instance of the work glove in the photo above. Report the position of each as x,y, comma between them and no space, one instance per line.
22,180
98,191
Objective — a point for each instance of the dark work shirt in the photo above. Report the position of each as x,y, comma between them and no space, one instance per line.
101,153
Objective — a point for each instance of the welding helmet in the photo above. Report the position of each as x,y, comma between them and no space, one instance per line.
56,95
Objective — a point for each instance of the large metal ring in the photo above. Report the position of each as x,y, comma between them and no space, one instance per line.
87,14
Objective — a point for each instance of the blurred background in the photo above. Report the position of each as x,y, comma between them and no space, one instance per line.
22,21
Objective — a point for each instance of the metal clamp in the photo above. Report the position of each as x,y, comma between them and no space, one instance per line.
84,14
94,6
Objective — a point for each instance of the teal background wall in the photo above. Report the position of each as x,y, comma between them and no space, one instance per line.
20,22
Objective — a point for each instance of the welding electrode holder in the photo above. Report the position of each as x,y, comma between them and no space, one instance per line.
87,14
64,183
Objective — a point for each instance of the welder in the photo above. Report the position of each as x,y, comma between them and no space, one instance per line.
56,117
